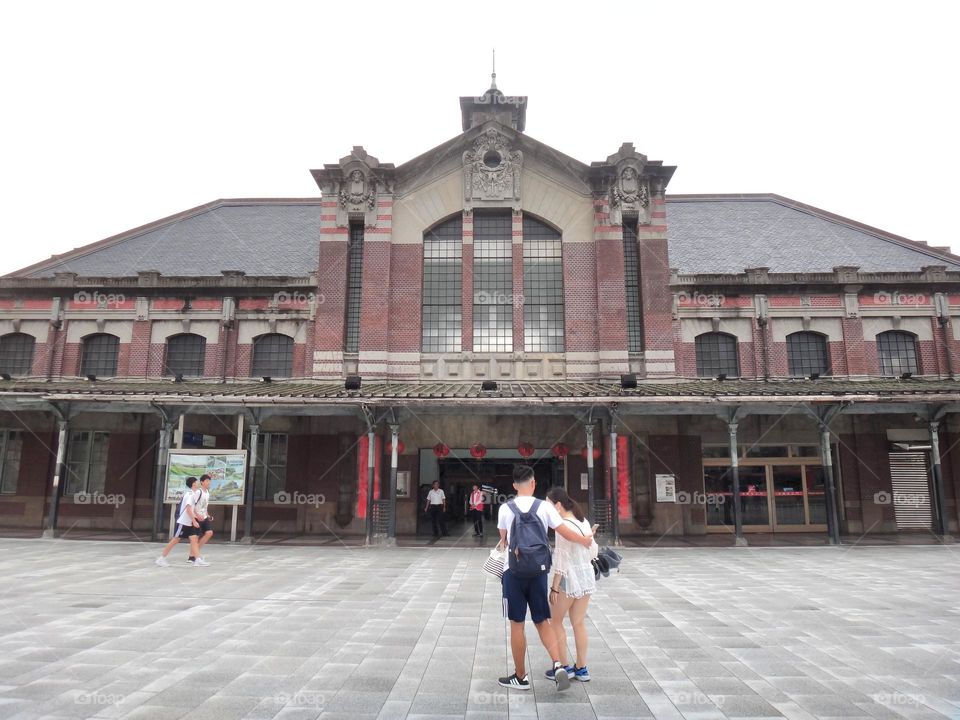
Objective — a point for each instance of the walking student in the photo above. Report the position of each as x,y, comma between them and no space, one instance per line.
205,518
523,524
476,510
573,582
187,526
437,508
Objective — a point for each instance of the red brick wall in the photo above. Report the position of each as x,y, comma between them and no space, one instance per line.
374,320
406,295
139,350
580,298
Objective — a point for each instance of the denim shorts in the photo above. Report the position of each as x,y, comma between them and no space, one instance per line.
520,593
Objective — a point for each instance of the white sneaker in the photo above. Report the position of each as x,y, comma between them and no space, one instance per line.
162,561
200,562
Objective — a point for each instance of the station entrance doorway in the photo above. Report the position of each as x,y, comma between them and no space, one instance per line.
495,476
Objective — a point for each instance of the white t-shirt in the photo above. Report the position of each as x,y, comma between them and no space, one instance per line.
436,497
546,512
201,507
189,499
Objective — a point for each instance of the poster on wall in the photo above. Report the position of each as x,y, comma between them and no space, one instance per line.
227,470
666,488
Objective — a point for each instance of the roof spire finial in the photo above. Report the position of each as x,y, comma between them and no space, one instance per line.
493,75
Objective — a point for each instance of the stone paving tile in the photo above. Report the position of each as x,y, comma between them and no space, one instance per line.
89,630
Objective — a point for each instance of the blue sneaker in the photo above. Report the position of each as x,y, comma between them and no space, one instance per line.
551,674
579,673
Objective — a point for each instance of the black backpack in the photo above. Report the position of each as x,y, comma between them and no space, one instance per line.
529,550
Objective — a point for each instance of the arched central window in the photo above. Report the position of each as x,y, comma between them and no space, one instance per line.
807,354
442,287
897,353
16,354
100,353
542,287
272,356
717,355
185,355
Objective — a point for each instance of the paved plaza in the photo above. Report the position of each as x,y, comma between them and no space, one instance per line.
95,629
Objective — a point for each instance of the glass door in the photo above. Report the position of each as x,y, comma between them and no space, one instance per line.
788,496
754,497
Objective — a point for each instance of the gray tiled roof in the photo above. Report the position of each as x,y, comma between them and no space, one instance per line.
258,238
726,236
709,235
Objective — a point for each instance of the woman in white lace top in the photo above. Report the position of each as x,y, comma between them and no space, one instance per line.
573,583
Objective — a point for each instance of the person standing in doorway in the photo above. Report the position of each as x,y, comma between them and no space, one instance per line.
476,510
437,508
204,517
523,524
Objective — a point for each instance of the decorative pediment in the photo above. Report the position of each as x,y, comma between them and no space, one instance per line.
491,169
356,182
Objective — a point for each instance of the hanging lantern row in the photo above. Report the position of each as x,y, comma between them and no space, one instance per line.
526,449
596,453
560,450
441,450
400,447
477,450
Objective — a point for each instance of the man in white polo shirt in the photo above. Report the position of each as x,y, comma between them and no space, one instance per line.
437,508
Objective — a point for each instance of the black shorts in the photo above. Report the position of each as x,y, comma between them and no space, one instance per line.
520,592
187,531
206,526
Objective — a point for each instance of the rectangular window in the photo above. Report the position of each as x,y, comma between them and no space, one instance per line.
631,273
11,443
442,287
87,462
354,288
542,288
493,282
270,476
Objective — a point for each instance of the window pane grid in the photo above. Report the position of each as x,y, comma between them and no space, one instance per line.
185,355
493,282
631,261
897,352
717,355
100,355
807,354
443,287
11,443
542,287
87,462
16,354
354,288
272,356
271,472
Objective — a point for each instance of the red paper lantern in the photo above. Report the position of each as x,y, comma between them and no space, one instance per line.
477,450
526,449
441,450
560,450
400,447
596,453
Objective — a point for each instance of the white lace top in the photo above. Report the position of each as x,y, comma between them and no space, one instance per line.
571,561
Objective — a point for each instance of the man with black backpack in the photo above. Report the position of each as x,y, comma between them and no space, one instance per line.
523,524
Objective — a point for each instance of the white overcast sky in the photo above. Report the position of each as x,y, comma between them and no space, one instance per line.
115,114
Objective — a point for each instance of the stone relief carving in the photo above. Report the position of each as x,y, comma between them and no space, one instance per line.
357,192
630,190
491,169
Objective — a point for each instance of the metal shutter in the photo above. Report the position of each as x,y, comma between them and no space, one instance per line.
911,490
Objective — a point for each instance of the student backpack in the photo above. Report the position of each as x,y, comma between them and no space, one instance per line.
529,550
